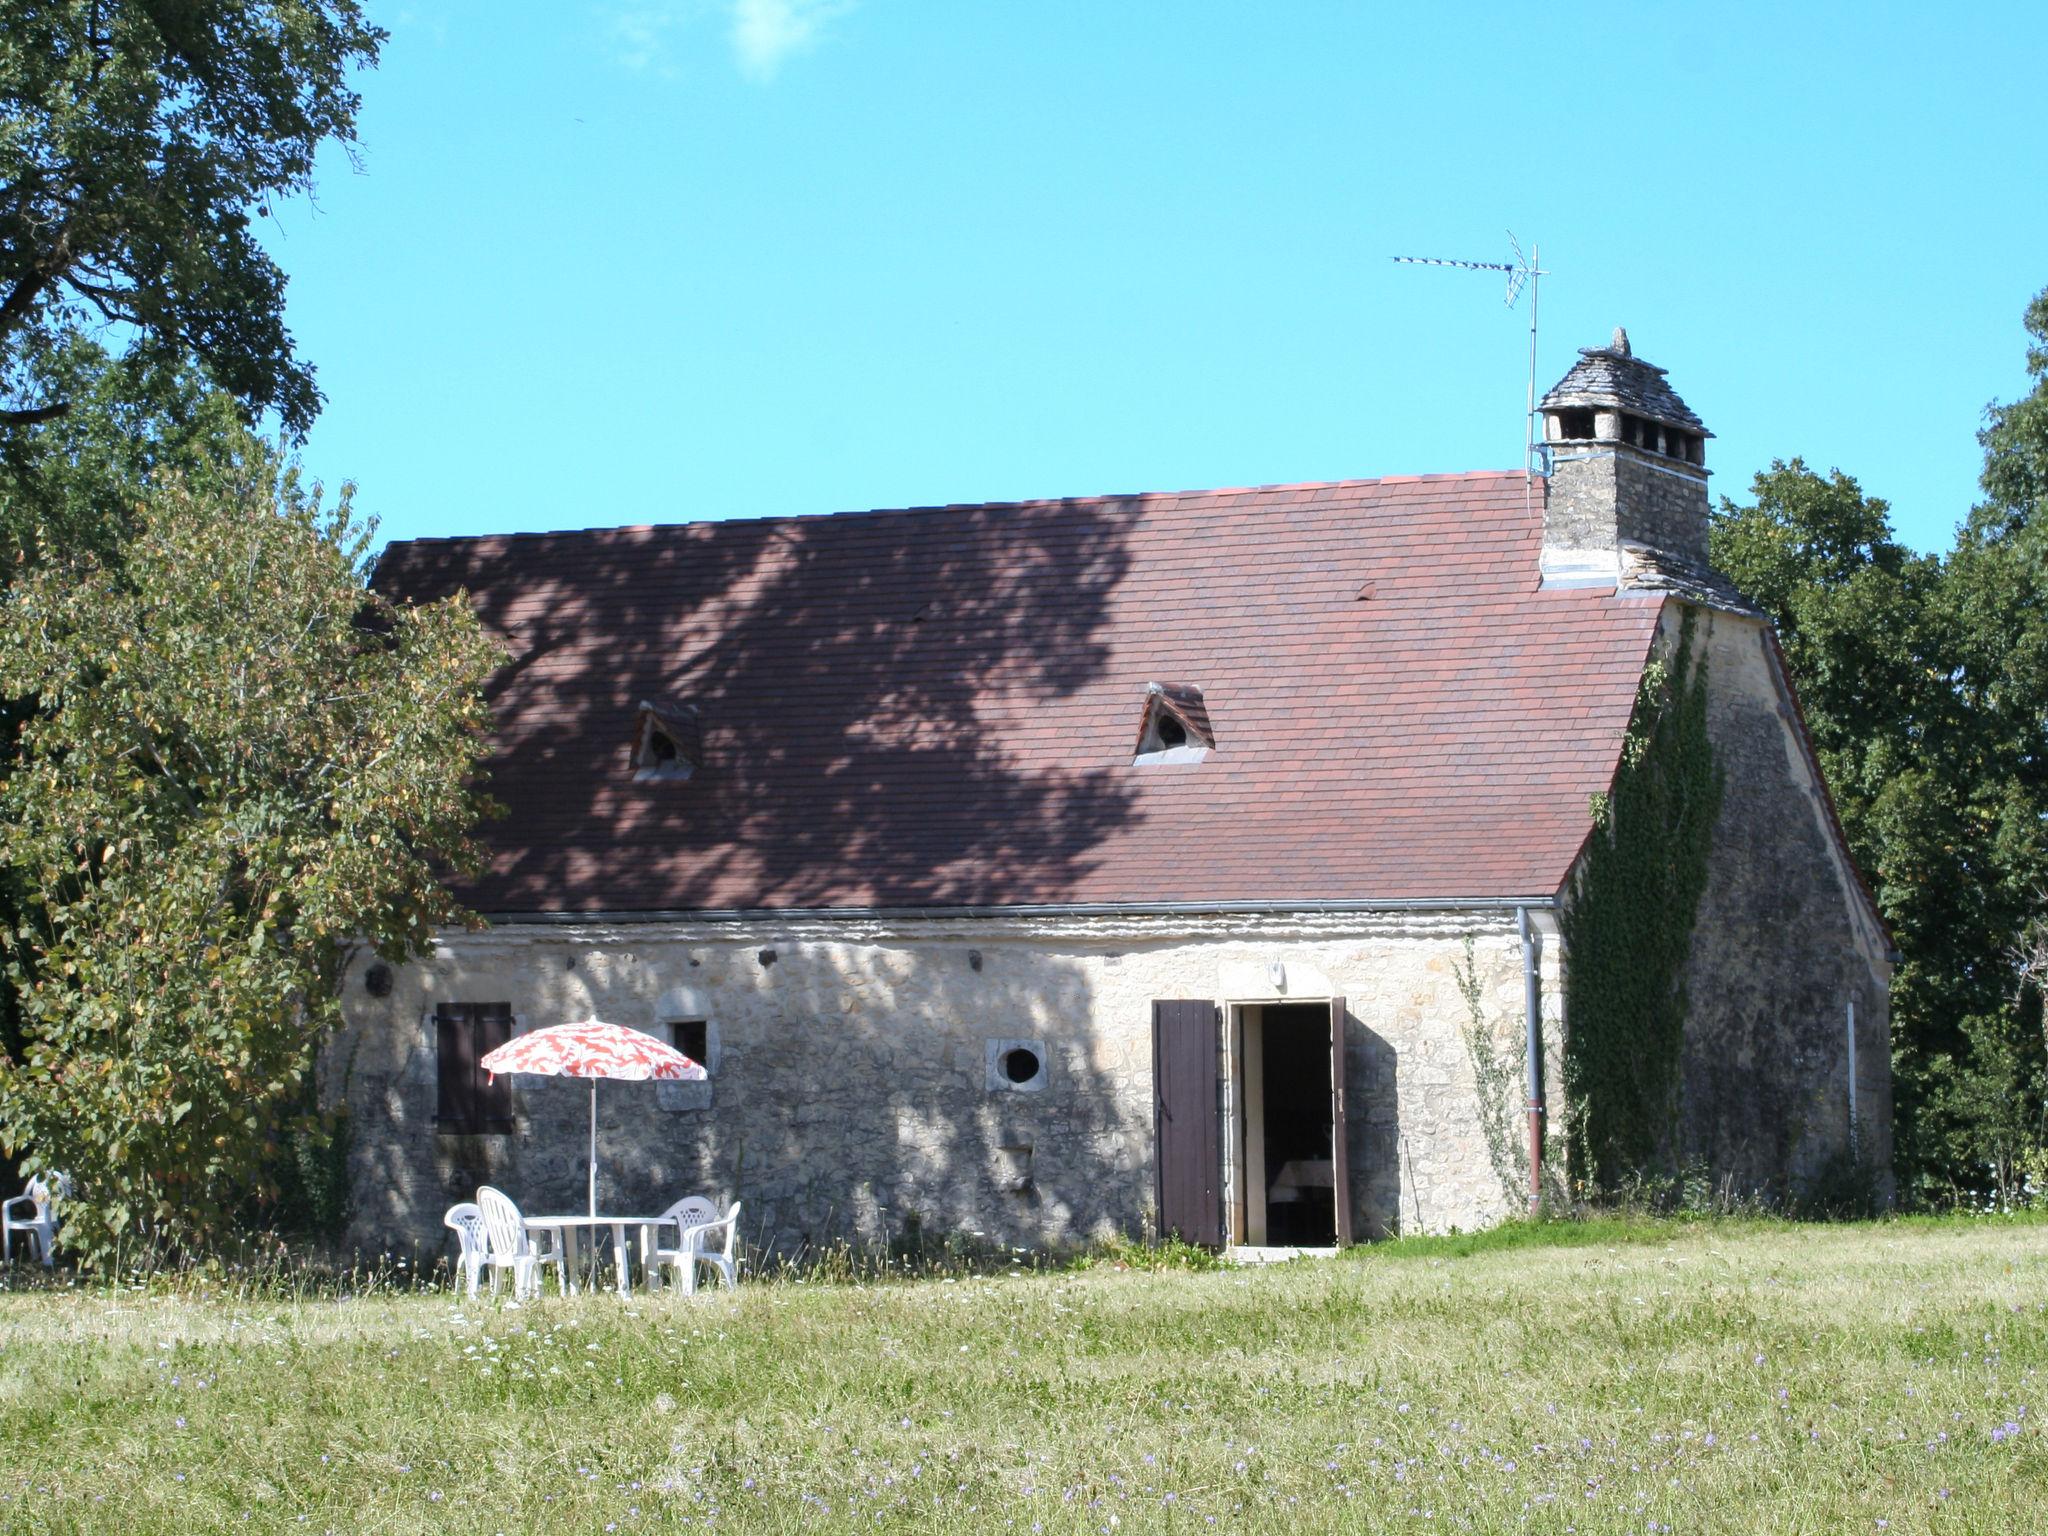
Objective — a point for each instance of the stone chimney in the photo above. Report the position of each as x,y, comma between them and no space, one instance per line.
1628,473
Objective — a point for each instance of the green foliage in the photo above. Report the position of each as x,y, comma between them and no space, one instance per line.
1498,1077
314,1191
1152,1256
1925,684
310,1194
1991,1098
1628,925
137,140
1606,1227
1493,1076
239,762
1845,1188
73,483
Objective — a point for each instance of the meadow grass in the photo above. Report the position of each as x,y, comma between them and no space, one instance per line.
1737,1376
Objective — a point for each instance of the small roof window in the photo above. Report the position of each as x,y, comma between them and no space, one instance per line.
667,744
1175,726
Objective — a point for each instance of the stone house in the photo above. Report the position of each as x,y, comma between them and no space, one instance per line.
1158,861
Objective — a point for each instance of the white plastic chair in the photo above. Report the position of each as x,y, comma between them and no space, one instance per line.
694,1247
466,1221
690,1211
34,1211
512,1247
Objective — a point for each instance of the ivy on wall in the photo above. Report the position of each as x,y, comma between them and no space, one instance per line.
1628,924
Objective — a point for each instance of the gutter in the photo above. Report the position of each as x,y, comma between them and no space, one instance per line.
1518,904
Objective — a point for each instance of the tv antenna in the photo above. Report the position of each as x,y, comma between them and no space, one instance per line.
1523,271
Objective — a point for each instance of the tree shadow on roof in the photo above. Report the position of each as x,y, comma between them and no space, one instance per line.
865,686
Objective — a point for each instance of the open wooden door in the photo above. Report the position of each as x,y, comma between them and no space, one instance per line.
1187,1127
1340,1160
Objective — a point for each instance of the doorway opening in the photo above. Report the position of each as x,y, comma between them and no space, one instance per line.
1285,1132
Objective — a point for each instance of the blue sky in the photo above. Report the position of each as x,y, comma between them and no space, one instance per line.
674,259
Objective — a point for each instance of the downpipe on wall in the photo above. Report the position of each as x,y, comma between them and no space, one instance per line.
1532,998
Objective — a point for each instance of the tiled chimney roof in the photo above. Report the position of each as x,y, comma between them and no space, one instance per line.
1614,376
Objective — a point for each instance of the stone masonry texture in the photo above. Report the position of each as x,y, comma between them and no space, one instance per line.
1614,494
850,1097
1785,940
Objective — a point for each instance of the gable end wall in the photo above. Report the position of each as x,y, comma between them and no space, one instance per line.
1785,939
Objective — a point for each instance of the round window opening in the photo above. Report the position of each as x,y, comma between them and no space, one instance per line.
1171,732
1020,1064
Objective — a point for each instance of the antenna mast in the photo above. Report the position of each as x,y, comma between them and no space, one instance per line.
1523,270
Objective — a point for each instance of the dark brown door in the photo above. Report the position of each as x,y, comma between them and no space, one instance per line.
1340,1161
1187,1125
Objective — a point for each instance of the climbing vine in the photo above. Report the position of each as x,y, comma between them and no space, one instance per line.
1628,925
1497,1074
1493,1073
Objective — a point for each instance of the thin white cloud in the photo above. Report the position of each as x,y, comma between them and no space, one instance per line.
767,32
646,37
639,37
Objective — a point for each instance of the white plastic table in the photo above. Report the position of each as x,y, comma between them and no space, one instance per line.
566,1228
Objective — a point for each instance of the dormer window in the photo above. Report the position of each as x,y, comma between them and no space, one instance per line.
1175,726
666,743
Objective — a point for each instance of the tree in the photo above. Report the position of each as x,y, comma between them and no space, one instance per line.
244,762
73,483
137,138
1996,604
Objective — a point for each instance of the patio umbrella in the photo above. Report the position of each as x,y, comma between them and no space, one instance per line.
593,1050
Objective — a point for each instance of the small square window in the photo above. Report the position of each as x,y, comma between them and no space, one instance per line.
692,1038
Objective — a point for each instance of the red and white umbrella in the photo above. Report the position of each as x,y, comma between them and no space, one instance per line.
593,1050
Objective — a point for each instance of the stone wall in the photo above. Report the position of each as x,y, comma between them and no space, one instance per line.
1599,497
1785,941
851,1093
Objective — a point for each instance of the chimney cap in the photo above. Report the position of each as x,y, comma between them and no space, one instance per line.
1614,377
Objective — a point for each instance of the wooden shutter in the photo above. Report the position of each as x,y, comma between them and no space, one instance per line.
465,1100
1187,1133
1340,1158
455,1068
493,1099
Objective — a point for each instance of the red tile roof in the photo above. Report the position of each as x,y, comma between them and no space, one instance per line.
936,707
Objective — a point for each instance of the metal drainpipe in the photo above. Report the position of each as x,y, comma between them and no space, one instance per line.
1532,991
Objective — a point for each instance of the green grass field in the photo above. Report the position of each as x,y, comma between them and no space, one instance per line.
1730,1377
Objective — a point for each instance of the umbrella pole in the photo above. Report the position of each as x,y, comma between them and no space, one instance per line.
593,1146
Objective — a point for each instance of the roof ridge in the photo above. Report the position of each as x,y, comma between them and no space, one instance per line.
1029,503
